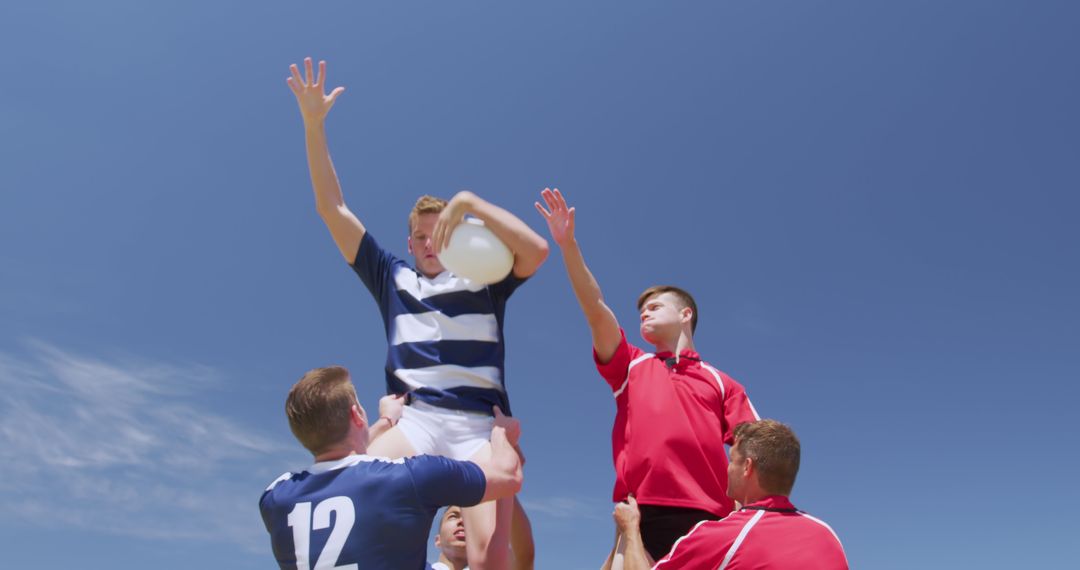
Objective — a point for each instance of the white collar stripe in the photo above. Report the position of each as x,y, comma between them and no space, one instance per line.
632,364
719,379
676,545
739,539
826,525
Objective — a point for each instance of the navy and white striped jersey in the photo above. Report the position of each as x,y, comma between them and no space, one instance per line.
445,334
364,512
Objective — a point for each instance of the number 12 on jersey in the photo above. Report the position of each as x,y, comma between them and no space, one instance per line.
302,523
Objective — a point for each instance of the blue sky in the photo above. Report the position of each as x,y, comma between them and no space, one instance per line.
873,202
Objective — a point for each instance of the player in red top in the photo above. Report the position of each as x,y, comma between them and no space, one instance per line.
674,413
767,533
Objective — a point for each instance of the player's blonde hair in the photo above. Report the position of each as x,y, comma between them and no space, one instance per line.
319,408
425,205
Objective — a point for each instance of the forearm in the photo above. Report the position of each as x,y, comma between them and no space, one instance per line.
378,428
324,179
635,557
529,248
602,322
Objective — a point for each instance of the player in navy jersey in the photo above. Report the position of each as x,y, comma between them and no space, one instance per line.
444,332
351,510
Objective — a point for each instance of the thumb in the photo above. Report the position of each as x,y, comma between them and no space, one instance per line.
498,411
631,500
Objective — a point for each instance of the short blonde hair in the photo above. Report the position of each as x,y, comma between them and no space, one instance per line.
319,408
425,205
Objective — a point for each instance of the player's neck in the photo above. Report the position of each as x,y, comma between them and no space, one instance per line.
676,345
337,453
453,564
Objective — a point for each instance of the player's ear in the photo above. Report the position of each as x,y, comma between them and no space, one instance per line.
686,315
358,416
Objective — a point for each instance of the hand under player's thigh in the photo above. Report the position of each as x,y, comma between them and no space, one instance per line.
487,535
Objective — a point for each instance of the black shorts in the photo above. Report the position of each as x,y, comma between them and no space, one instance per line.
662,526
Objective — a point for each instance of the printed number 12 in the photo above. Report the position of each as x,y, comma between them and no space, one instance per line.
300,520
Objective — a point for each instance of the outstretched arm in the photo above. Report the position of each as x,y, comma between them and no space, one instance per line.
602,322
345,228
530,250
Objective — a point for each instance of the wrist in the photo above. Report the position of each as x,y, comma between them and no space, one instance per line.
314,123
388,419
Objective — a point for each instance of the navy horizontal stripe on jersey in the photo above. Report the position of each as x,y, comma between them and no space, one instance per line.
444,334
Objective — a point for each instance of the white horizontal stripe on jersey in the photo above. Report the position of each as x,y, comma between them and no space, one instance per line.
435,326
420,287
446,376
739,540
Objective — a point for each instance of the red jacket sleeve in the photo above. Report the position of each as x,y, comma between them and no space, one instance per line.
737,408
614,370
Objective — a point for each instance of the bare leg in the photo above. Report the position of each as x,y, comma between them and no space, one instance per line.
487,535
392,444
521,539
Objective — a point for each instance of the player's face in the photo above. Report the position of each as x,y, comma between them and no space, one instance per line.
735,479
451,537
662,318
421,246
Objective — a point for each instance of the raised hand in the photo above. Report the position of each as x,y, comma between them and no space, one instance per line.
391,407
310,92
627,516
451,215
560,219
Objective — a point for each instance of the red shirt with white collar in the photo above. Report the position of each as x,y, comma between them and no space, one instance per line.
671,424
769,534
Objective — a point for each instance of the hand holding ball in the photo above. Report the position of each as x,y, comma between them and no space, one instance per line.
476,254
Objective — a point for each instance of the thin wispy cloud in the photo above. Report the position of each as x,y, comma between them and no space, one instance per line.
123,446
567,508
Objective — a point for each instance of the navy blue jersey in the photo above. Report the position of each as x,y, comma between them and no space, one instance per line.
444,334
364,512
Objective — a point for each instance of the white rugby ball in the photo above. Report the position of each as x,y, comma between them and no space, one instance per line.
476,254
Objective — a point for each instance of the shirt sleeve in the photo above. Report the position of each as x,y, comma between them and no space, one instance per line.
441,481
503,289
615,370
737,408
375,267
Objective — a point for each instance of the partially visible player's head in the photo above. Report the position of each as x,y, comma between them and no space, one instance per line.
450,539
422,220
323,411
764,460
666,312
